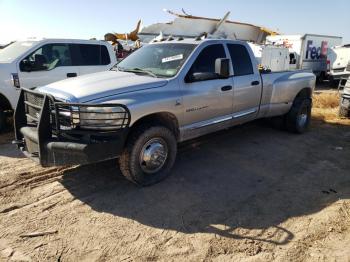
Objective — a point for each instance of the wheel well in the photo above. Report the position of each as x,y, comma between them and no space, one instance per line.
4,103
163,118
304,93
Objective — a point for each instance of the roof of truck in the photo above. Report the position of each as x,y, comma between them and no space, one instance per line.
60,40
192,40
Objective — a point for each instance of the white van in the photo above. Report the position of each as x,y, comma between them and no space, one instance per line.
35,63
338,59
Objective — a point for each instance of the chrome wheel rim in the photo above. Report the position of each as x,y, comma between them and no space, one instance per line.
303,117
153,155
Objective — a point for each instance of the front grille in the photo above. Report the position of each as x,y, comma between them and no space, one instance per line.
34,98
69,118
348,67
339,70
33,105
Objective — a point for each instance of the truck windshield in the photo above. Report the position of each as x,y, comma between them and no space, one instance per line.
158,60
11,52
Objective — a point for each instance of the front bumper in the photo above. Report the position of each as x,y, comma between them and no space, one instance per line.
338,75
48,145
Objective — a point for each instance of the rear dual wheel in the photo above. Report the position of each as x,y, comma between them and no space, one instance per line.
297,120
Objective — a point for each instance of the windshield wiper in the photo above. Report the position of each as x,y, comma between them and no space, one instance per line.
137,70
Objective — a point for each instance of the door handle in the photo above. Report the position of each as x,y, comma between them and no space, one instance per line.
255,83
226,88
71,74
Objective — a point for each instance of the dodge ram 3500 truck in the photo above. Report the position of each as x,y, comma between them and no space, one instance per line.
164,93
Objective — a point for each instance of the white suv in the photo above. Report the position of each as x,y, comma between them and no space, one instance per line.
35,63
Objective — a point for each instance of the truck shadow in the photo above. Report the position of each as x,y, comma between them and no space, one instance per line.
7,149
240,183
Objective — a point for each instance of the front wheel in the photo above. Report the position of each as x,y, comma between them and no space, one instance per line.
299,117
149,155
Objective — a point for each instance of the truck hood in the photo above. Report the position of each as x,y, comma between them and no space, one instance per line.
90,87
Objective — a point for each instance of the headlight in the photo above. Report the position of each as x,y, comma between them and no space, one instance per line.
92,117
102,118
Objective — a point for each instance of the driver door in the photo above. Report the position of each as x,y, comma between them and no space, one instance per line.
48,64
208,103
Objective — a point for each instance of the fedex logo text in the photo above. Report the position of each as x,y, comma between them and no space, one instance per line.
313,52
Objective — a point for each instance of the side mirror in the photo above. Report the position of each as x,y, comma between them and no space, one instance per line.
25,66
222,70
222,67
200,76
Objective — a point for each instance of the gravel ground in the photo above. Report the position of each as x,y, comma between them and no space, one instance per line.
250,193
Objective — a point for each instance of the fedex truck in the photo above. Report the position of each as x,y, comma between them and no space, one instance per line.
307,51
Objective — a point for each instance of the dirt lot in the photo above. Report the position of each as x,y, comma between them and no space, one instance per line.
250,193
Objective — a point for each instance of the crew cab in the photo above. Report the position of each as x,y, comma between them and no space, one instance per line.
162,94
34,63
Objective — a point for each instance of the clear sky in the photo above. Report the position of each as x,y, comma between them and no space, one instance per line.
93,18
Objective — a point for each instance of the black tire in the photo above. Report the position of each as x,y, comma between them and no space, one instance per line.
344,112
130,159
3,119
299,116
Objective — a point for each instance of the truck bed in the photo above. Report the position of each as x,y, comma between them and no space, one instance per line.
279,90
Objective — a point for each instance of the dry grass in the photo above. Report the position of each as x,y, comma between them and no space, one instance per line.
326,100
325,107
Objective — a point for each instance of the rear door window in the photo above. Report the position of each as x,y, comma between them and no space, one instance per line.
241,61
90,55
205,61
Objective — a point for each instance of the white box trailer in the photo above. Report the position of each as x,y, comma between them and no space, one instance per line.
274,58
307,51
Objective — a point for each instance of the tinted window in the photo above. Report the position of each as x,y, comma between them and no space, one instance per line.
205,62
89,55
241,62
47,57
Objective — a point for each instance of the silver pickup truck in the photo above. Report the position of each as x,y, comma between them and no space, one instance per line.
164,93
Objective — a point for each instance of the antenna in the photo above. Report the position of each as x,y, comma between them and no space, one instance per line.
183,11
